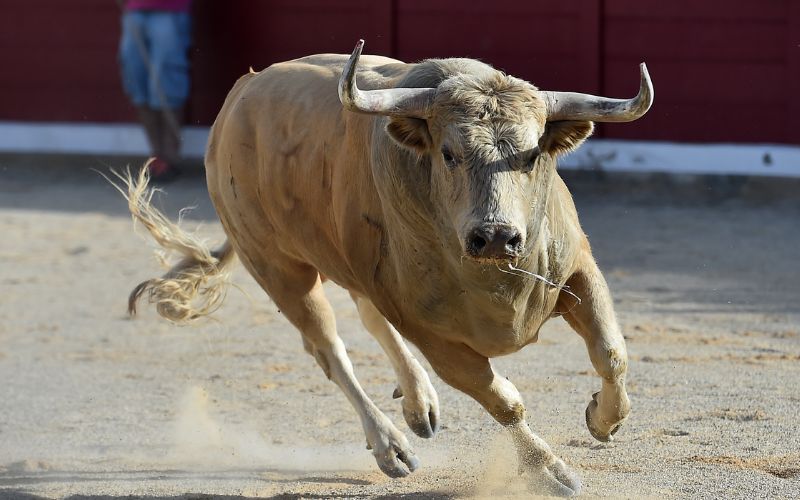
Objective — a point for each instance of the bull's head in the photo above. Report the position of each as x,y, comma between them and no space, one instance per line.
491,139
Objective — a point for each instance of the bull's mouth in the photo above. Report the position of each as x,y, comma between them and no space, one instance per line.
501,260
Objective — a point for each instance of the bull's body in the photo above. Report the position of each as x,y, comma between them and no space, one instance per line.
290,172
444,215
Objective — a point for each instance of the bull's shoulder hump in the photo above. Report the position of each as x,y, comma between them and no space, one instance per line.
338,60
373,71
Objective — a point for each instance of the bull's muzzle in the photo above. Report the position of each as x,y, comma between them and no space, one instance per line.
492,241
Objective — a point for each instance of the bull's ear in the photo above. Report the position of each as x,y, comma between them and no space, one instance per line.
564,136
411,133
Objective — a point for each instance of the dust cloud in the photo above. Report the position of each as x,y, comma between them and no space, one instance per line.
201,439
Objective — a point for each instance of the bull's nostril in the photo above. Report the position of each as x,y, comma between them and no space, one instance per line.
515,242
477,243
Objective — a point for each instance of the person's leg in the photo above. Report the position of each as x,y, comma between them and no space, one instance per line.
133,67
169,78
133,61
151,121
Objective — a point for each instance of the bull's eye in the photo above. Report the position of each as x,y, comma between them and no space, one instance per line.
448,158
530,162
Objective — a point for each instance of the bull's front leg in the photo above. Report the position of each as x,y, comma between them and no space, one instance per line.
471,373
594,320
420,402
297,290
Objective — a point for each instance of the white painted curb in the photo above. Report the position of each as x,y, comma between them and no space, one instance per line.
92,138
611,155
774,160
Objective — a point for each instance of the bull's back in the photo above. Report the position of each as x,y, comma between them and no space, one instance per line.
288,170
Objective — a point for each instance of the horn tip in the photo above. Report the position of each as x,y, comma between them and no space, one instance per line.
644,72
347,84
646,87
357,50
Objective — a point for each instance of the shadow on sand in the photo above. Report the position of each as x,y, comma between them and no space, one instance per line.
12,484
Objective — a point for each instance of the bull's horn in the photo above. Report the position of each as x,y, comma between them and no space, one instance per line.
415,103
587,107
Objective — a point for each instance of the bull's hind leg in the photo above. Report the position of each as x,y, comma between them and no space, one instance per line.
297,290
594,320
472,374
420,403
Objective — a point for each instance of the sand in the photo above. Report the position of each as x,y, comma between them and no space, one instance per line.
94,404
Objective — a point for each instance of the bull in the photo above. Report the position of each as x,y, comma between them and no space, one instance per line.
430,192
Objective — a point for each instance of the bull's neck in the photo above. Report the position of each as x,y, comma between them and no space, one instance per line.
402,180
426,283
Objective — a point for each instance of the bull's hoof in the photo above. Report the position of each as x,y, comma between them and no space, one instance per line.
396,462
599,435
424,423
555,479
391,450
421,407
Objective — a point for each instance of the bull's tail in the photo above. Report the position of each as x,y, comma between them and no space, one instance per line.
196,286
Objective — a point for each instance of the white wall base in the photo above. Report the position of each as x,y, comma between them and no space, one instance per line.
92,138
604,154
774,160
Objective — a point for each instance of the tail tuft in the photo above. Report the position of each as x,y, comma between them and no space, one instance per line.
197,285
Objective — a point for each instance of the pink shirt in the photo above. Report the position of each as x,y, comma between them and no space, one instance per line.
170,5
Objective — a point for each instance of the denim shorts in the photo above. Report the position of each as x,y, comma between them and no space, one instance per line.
153,57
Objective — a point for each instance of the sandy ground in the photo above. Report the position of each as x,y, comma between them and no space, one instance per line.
97,405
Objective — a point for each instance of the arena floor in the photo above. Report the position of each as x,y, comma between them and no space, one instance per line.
95,404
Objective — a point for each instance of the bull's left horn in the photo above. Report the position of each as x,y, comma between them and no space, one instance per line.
586,107
407,102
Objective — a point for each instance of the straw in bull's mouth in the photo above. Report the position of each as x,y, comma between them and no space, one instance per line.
524,273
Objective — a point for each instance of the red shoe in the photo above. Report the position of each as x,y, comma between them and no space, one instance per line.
161,171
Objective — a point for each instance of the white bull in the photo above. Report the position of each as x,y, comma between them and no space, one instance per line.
432,196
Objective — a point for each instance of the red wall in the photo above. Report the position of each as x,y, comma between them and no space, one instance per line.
58,61
724,70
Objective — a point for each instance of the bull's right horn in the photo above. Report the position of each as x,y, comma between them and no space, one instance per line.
579,107
405,102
